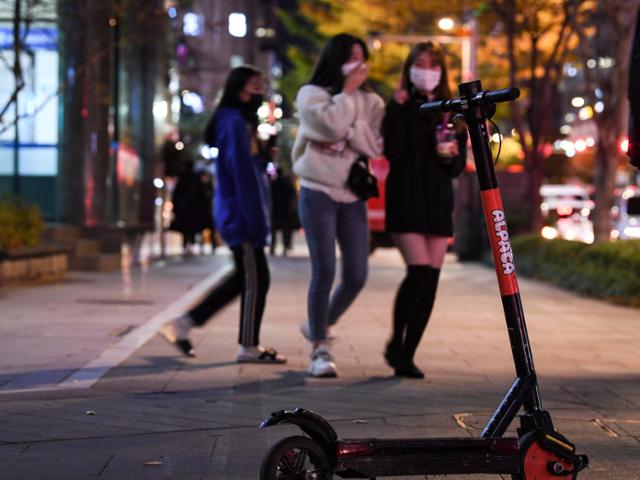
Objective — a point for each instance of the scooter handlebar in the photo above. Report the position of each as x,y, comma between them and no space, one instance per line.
440,106
488,97
498,96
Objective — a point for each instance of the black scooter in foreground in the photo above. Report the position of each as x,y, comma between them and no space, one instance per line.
538,452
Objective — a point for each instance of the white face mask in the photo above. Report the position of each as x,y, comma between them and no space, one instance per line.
347,68
425,79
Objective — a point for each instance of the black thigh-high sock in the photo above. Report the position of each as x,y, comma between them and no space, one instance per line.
426,279
405,303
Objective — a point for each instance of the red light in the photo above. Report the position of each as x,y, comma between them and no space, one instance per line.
515,168
565,210
351,449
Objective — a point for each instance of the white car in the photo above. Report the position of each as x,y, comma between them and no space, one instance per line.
626,214
565,210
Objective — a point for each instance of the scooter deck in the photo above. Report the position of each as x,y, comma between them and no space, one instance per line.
366,458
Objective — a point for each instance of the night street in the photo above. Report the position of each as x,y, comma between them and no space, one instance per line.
156,415
319,239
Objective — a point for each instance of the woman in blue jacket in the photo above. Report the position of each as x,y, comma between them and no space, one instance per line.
241,216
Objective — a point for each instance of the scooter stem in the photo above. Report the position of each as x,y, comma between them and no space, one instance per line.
473,109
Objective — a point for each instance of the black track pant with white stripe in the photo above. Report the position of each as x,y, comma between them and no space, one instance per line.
250,280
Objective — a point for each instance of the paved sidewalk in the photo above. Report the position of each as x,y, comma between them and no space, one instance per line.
50,334
159,416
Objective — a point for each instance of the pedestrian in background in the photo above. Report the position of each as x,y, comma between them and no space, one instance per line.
242,218
191,207
284,219
339,121
212,236
424,155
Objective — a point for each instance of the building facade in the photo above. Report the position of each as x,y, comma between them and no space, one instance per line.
213,36
106,86
28,148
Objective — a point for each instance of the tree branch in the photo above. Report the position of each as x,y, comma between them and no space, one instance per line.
32,114
553,57
5,61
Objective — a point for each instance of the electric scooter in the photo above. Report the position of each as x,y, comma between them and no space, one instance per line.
538,452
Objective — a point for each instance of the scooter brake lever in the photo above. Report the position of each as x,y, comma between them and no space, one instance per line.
456,117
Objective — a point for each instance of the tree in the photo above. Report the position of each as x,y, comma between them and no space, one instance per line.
306,25
539,37
297,25
524,41
606,34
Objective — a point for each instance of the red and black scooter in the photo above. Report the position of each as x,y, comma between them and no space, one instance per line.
539,452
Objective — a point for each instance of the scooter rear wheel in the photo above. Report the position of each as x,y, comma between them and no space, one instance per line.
296,458
537,463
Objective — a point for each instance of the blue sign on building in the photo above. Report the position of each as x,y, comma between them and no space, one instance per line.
39,38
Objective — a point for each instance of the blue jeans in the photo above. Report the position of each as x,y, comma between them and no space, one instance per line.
325,221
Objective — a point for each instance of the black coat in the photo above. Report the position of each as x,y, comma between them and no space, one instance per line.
283,203
419,191
192,205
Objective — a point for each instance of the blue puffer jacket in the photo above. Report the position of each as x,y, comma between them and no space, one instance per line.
241,206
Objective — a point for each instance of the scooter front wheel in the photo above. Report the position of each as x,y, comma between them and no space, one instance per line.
538,463
296,458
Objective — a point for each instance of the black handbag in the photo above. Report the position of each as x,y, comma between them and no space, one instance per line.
361,181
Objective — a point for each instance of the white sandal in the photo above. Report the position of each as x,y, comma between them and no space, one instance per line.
268,355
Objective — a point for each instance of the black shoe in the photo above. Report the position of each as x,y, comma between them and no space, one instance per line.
393,355
184,345
409,371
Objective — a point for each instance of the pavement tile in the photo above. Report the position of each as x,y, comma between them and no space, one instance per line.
52,467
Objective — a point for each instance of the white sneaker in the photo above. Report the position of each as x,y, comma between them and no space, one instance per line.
305,329
322,364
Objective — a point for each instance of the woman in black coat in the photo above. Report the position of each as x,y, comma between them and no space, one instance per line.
191,207
424,155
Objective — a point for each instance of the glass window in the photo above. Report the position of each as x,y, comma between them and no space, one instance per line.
37,102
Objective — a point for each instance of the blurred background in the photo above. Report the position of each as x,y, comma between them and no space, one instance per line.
103,104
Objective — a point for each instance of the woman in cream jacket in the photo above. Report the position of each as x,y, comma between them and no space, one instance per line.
339,122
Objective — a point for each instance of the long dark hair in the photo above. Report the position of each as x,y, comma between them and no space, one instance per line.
442,91
235,83
328,70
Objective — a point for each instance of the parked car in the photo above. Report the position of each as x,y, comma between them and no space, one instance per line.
625,214
565,211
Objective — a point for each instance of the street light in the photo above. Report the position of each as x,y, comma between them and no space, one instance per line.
446,24
237,24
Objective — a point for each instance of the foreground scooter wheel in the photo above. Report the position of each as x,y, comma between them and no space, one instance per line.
541,464
296,458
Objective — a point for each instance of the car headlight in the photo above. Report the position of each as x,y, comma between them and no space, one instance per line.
549,233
